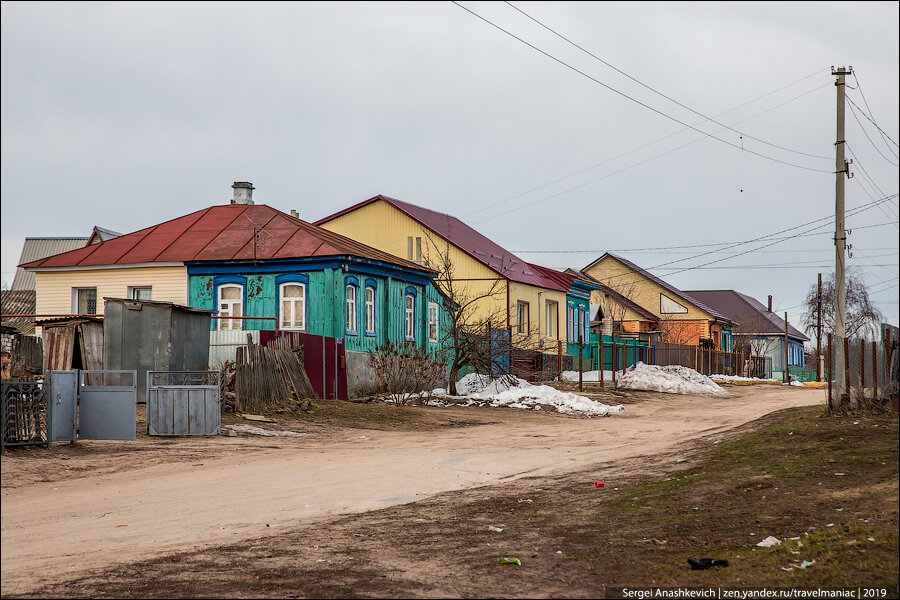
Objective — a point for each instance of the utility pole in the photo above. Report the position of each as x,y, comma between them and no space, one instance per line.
819,357
841,170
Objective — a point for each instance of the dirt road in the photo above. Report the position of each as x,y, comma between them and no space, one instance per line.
219,490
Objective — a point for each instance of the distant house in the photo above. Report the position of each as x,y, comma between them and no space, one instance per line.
614,313
758,328
21,297
683,319
256,267
525,300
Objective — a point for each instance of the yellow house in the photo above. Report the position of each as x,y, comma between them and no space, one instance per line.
682,319
505,290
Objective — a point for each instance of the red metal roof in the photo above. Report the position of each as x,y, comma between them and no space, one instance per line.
482,249
221,233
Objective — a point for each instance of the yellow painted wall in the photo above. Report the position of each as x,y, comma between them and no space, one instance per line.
537,302
54,288
382,226
627,314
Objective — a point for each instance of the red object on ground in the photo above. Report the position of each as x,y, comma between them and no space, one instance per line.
599,483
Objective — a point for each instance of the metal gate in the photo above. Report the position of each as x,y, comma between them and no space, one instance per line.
107,405
62,406
23,415
183,403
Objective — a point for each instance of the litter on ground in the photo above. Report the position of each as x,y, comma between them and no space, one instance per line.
673,379
769,542
509,560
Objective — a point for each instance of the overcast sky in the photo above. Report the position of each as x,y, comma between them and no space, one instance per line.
125,115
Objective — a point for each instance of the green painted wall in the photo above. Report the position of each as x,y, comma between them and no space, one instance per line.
326,306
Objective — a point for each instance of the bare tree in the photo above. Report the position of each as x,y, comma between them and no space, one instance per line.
676,331
474,309
750,323
862,317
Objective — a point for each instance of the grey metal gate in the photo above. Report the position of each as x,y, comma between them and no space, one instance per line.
183,403
62,406
107,405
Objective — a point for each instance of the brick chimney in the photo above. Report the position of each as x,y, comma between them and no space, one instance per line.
243,192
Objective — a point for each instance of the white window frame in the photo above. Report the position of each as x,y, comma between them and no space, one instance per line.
370,310
433,323
134,290
230,303
75,293
352,316
292,323
523,325
410,311
552,317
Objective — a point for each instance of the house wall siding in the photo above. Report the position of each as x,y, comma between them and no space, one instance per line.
326,306
54,288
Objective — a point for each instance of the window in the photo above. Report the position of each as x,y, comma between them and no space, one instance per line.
84,301
523,320
144,292
231,304
580,326
414,244
370,310
293,305
351,309
410,316
432,322
570,322
552,314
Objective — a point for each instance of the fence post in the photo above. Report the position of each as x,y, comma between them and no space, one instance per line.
874,370
601,361
613,367
559,360
624,357
862,368
846,369
828,373
580,356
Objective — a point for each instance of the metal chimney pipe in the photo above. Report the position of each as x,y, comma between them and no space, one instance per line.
770,302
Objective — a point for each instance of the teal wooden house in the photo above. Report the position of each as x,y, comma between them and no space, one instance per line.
265,266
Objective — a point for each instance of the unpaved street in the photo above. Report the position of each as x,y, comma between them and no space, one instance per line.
226,489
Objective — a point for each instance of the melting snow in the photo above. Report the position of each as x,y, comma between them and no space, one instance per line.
673,379
480,390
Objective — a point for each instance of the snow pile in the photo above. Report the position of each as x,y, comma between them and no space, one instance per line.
512,392
673,379
473,383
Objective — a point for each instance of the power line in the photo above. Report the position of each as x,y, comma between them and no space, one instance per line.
655,91
851,212
622,170
635,100
868,177
866,133
871,115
